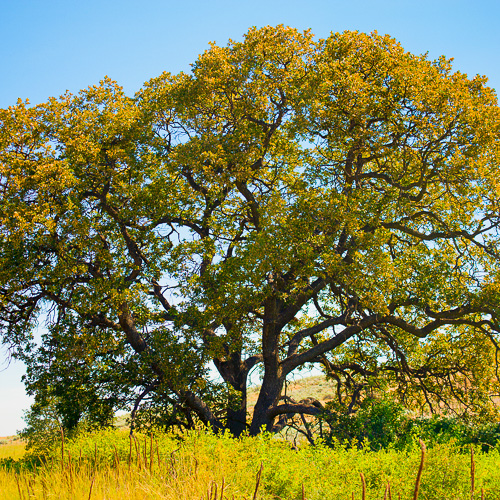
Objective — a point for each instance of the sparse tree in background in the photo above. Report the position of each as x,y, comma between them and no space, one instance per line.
289,202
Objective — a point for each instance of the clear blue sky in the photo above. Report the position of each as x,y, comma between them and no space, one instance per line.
47,47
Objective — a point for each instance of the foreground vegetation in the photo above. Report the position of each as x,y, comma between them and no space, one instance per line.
109,465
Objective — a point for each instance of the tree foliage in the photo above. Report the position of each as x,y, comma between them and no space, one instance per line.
288,202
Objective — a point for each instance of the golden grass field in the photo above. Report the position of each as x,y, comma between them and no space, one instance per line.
108,465
12,447
200,466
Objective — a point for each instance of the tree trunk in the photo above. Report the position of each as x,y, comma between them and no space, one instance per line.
237,418
272,383
269,395
235,372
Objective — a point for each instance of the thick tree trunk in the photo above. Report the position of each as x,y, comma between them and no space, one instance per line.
237,418
272,383
269,395
235,372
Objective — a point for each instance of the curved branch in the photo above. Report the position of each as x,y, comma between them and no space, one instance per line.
136,340
292,362
292,408
307,332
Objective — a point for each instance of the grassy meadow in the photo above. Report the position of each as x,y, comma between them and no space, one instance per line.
109,465
200,466
11,447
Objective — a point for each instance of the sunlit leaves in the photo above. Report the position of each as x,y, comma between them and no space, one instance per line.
284,181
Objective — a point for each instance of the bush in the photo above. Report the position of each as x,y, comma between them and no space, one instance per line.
381,424
378,424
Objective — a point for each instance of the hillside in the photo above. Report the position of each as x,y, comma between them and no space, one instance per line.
317,387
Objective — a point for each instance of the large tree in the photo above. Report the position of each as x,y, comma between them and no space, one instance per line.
288,202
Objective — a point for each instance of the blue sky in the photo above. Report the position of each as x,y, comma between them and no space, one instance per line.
48,47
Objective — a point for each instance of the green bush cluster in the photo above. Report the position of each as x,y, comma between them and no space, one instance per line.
382,423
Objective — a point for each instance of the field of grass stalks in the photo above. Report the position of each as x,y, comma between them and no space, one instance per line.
12,448
200,466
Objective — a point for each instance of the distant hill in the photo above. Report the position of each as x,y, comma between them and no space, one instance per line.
317,387
9,439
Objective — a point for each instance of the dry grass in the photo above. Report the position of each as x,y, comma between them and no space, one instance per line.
11,447
200,466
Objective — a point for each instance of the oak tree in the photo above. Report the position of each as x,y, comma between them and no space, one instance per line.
288,202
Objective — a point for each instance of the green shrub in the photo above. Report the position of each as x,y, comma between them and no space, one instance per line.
378,424
382,423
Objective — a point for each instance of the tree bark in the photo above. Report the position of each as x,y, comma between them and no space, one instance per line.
269,395
234,371
272,383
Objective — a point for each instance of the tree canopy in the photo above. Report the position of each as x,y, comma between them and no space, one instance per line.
288,202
